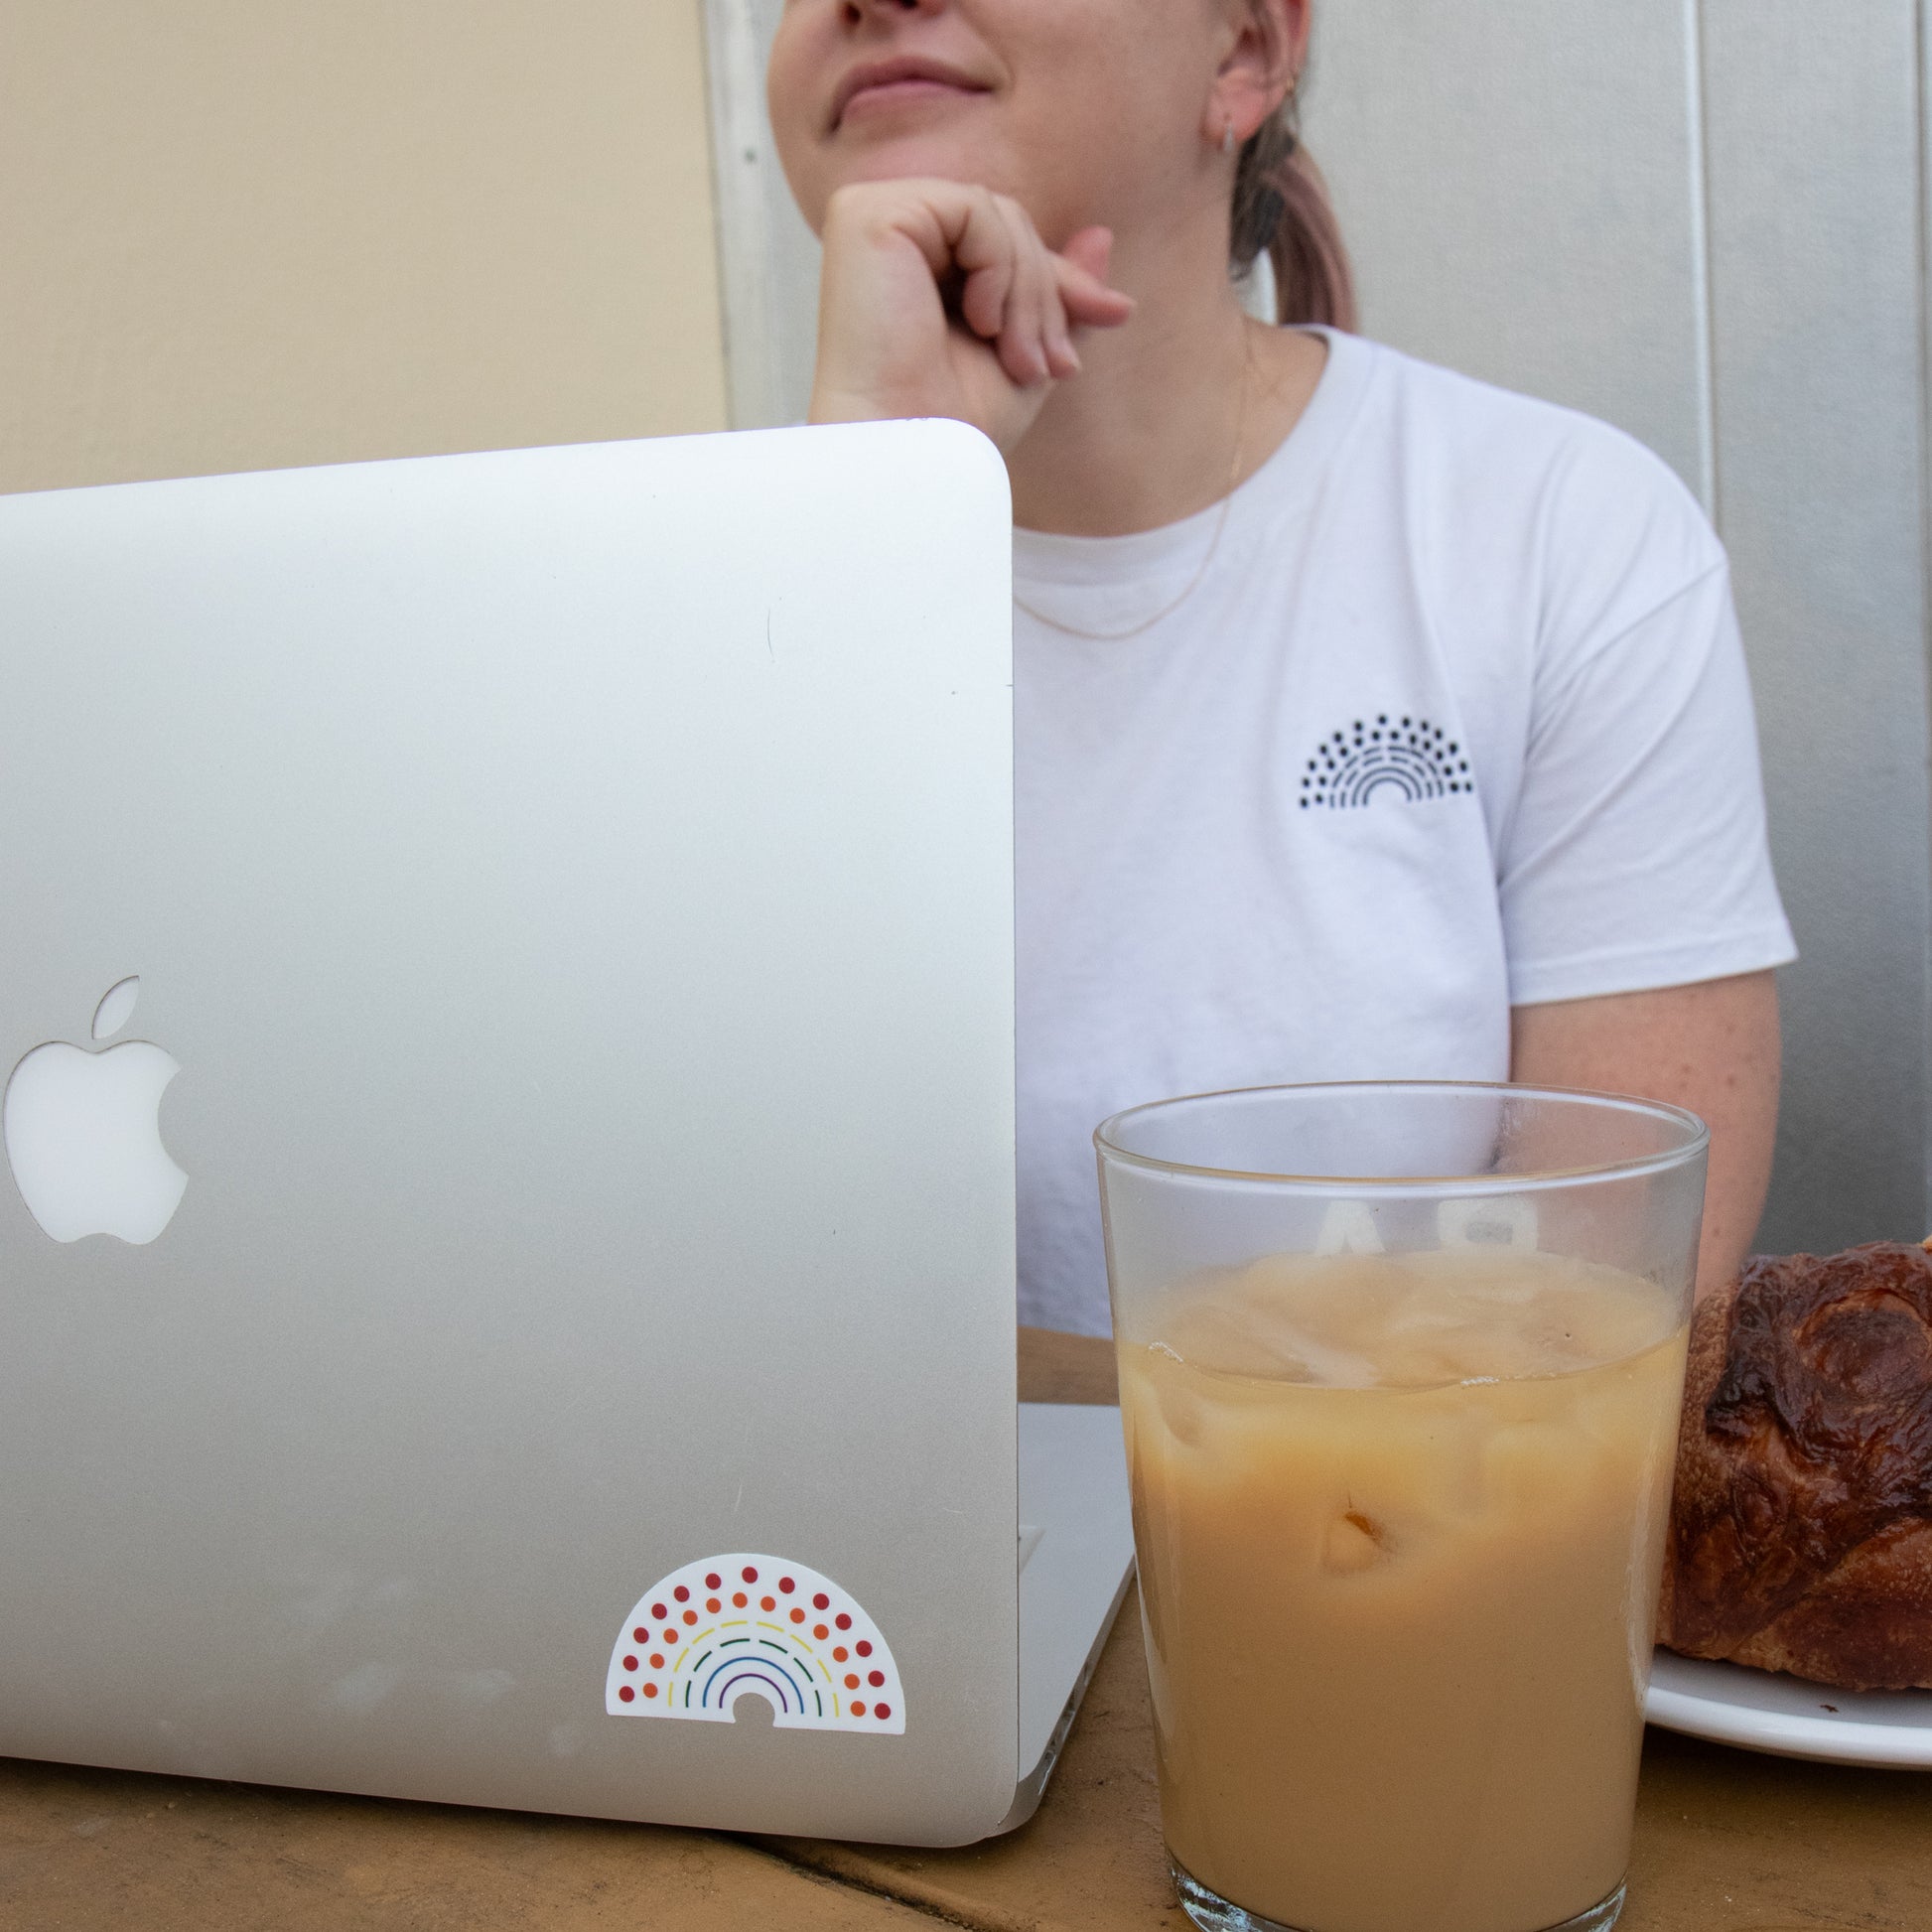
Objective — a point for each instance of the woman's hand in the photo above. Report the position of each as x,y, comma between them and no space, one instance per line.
939,299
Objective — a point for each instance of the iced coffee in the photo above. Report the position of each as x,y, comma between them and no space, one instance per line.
1400,1521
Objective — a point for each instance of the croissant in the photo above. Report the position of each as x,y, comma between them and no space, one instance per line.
1801,1525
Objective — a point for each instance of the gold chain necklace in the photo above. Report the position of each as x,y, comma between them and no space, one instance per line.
1207,556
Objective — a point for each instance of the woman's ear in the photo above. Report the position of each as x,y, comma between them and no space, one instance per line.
1266,47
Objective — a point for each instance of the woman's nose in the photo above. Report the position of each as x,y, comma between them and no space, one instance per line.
856,11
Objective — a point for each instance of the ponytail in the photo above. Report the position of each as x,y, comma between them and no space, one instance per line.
1282,207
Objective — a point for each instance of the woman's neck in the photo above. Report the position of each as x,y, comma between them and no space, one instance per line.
1184,401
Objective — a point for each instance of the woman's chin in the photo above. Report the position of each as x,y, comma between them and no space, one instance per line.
927,153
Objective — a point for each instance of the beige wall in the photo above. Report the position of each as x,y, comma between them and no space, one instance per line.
244,233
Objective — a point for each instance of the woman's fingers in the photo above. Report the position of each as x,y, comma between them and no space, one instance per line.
984,298
939,298
1025,341
1016,294
1091,250
1083,285
1001,300
1062,359
1029,302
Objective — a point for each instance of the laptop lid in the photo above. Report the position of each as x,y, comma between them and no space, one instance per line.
568,896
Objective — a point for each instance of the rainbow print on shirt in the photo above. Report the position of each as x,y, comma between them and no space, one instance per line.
746,1625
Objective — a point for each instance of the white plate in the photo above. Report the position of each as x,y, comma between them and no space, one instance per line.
1762,1711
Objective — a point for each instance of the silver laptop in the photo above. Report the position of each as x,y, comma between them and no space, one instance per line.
506,1280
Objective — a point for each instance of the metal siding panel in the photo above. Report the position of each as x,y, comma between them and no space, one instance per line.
1518,184
741,159
770,256
1815,211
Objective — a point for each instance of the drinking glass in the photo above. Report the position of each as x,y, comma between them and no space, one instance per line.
1400,1369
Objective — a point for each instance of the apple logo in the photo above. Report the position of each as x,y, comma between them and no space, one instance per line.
84,1133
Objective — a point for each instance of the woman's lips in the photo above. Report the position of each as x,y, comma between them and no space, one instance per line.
895,83
889,92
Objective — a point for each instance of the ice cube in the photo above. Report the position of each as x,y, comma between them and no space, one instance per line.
1354,1543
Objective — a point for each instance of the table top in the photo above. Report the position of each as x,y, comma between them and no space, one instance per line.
1726,1840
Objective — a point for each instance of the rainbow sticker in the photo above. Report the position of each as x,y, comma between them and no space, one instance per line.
754,1626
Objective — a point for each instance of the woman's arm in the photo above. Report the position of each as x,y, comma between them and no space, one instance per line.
1711,1048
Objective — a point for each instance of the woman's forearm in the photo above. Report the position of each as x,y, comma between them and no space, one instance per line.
1713,1047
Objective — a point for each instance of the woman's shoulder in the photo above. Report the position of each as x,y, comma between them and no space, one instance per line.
1592,503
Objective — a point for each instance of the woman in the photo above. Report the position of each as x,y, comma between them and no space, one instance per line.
1369,721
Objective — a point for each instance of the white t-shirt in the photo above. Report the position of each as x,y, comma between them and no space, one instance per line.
1457,720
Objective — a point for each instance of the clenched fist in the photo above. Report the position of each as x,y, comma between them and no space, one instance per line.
939,299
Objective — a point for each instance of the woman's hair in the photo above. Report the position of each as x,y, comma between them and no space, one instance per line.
1282,207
